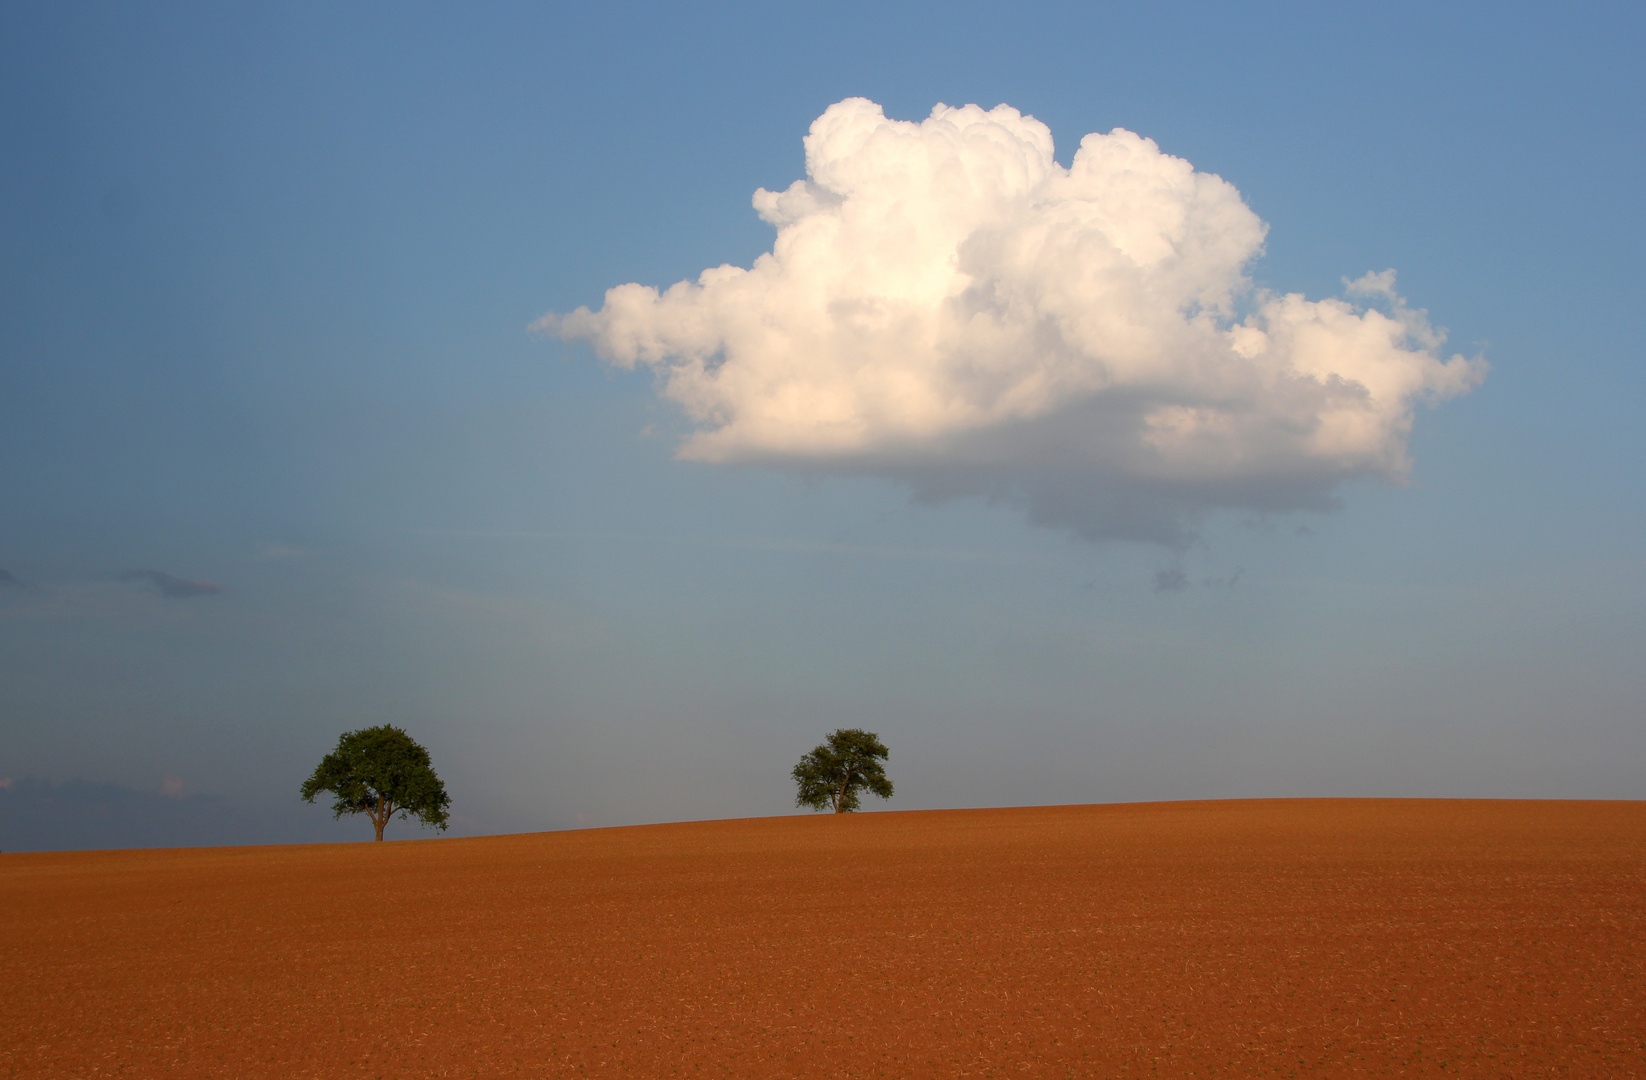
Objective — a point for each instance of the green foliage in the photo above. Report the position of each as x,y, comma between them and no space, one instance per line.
831,776
380,772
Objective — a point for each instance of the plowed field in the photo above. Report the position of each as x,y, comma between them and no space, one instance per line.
1217,939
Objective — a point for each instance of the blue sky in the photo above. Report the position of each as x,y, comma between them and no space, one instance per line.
266,279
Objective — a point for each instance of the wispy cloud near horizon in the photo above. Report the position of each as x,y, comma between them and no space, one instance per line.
37,814
736,543
174,588
947,306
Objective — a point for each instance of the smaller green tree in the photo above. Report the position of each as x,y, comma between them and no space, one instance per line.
830,776
380,772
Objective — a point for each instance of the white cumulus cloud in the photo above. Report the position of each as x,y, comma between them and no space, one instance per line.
948,306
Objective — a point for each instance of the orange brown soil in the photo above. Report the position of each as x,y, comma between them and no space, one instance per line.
1263,938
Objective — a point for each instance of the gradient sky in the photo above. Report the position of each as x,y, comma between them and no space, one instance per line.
280,456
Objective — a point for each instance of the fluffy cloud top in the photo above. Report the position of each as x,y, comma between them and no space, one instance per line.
947,305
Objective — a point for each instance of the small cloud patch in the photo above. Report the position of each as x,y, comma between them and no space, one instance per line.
1172,579
174,588
275,552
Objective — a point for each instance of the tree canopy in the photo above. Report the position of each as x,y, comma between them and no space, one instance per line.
380,772
830,776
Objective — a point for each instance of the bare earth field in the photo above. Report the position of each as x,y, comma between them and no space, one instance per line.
1260,938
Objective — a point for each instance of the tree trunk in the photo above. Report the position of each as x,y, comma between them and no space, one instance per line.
379,825
380,818
840,796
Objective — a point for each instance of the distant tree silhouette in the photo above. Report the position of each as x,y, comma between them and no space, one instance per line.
830,776
380,772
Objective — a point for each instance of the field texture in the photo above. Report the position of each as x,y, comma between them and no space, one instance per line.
1218,939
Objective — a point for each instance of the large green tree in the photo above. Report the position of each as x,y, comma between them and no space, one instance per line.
831,776
380,772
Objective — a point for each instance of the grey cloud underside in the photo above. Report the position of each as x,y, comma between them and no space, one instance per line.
1101,509
174,588
1045,469
1122,509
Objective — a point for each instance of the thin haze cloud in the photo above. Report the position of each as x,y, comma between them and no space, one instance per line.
947,306
175,588
751,543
